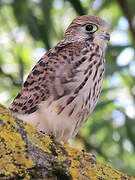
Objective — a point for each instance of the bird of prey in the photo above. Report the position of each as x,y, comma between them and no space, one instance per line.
63,88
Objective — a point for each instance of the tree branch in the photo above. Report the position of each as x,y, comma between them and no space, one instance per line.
78,7
125,8
26,153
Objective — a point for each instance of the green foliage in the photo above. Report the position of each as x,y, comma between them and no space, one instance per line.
29,27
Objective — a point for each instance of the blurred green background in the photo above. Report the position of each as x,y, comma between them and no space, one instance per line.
28,28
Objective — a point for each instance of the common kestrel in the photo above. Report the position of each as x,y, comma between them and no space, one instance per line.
62,89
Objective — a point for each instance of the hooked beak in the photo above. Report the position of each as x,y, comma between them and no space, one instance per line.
105,36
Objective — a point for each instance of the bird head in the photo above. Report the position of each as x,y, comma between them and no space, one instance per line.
90,28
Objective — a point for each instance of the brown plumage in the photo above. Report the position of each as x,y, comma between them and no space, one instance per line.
62,89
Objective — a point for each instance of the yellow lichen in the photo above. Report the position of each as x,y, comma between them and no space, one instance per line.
75,156
60,155
37,139
81,168
12,155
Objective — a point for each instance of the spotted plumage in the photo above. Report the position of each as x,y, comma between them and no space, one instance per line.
62,89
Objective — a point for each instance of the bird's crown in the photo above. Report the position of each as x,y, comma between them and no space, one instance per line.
86,19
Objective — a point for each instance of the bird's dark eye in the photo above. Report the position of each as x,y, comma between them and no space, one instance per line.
91,28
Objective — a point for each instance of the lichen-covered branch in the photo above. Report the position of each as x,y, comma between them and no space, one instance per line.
28,154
